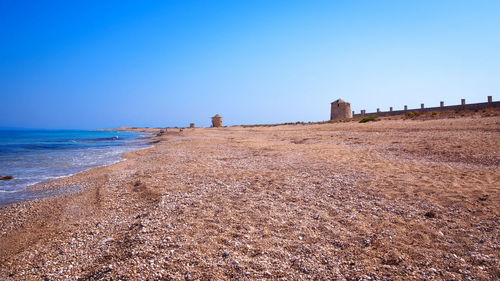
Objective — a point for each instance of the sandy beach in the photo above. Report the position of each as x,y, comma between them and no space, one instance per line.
387,200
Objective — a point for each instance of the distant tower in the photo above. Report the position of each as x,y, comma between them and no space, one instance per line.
217,121
340,110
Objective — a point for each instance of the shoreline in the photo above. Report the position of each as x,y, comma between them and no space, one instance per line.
20,217
44,187
343,200
50,183
56,183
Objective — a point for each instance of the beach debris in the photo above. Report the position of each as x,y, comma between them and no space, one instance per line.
5,178
484,197
106,240
430,214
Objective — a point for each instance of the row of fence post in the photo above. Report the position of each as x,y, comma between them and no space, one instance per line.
441,104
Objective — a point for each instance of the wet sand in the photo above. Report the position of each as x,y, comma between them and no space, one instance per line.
388,200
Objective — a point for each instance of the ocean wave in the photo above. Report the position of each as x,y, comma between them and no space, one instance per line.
9,191
84,140
94,140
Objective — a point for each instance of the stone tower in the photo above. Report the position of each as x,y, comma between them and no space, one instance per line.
217,121
340,109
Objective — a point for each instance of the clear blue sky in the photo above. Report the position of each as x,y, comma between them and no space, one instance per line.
100,64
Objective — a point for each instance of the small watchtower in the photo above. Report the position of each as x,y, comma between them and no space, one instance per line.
340,109
217,121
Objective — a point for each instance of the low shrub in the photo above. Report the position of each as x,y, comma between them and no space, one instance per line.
488,112
412,114
434,113
369,118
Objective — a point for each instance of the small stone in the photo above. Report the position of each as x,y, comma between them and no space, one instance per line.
235,262
225,255
106,240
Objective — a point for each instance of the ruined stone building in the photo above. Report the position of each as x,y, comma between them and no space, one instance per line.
340,109
217,121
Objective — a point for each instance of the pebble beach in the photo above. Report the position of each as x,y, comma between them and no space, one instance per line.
388,200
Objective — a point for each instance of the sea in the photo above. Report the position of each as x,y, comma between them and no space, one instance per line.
33,156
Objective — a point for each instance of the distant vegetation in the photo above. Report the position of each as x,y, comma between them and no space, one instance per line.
369,118
412,114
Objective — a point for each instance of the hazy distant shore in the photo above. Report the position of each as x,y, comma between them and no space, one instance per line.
399,199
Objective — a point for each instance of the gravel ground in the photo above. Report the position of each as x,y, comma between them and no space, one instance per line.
388,200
